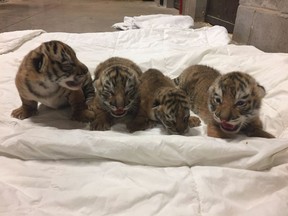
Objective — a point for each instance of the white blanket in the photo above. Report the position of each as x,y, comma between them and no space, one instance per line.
157,21
50,165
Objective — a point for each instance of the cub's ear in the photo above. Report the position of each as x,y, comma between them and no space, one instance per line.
176,81
38,62
97,83
215,85
211,89
100,69
96,75
260,90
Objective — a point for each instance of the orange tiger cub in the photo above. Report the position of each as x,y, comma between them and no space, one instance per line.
52,75
161,102
228,103
116,82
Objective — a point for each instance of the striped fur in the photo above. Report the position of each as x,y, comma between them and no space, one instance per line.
116,82
228,103
52,75
161,102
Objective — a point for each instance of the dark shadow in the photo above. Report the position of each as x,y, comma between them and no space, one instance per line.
58,118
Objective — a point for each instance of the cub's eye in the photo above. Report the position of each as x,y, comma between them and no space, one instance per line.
129,90
156,103
169,117
66,67
38,62
107,94
217,100
240,103
170,123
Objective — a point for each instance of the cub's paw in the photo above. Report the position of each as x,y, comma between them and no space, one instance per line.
139,123
83,116
22,113
99,126
194,121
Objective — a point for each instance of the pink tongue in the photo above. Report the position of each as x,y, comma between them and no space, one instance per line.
227,126
119,111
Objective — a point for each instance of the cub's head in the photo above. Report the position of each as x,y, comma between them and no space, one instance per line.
117,87
171,108
234,100
56,62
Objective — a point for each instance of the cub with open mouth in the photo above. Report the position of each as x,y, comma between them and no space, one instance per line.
116,82
229,104
53,75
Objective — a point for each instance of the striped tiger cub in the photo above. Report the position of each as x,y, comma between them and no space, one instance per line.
116,82
52,75
228,104
161,102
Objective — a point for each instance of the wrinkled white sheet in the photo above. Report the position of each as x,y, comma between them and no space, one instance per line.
10,41
156,21
50,165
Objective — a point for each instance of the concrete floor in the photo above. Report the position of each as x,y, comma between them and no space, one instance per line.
72,15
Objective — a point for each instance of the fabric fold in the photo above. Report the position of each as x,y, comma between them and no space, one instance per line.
10,41
157,21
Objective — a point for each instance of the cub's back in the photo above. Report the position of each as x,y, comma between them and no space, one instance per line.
195,81
153,79
151,82
162,102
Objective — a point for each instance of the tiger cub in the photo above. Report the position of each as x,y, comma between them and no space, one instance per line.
161,102
116,82
52,75
227,103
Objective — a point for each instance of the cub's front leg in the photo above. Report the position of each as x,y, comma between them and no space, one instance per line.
255,129
28,108
139,123
80,111
259,133
102,120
